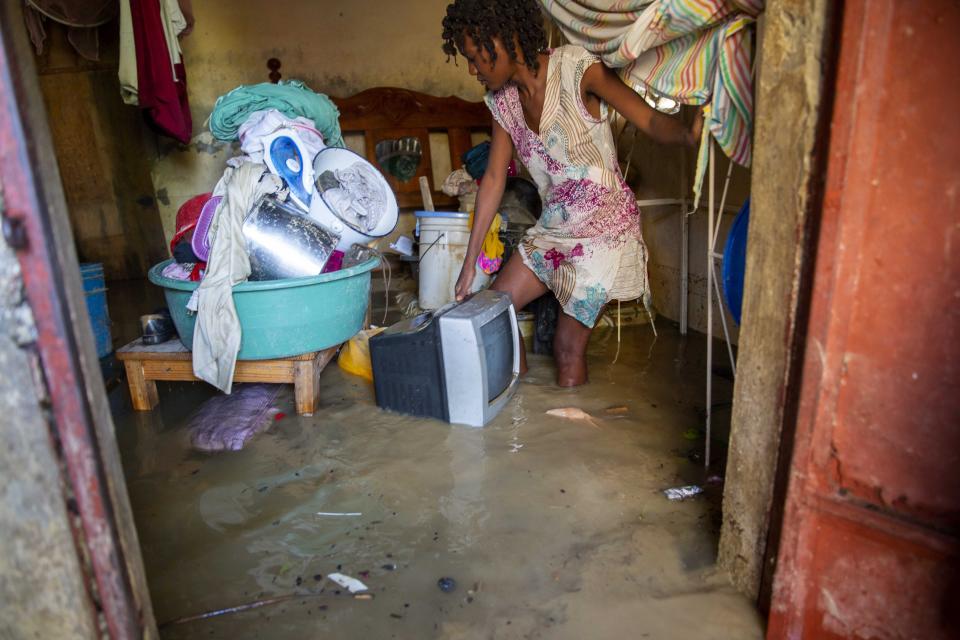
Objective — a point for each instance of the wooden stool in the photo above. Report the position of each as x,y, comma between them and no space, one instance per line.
171,361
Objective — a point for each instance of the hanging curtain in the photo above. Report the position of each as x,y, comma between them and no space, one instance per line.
694,51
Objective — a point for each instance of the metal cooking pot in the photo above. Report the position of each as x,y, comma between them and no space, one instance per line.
284,243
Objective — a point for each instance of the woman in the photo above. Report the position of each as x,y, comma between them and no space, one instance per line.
551,107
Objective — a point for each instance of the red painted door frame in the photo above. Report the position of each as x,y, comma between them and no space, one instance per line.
870,542
36,225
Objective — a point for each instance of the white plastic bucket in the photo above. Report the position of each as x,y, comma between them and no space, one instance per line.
443,246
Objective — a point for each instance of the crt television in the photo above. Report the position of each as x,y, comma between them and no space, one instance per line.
459,363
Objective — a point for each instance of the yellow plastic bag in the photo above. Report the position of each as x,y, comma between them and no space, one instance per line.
355,355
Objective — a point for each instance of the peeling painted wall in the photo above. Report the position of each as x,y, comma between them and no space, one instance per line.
338,47
42,590
790,95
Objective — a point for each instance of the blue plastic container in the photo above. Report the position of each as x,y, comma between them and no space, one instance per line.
281,318
735,261
95,290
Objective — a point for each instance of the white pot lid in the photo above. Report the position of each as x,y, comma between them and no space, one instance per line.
355,192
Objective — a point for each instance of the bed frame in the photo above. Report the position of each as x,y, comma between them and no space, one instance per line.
387,113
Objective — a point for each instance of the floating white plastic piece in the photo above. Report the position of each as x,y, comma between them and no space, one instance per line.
339,513
350,584
682,493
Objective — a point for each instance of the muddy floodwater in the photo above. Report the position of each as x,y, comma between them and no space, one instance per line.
548,528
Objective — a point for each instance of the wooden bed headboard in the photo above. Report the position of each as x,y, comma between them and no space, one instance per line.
389,113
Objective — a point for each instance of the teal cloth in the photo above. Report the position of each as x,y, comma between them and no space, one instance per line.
290,97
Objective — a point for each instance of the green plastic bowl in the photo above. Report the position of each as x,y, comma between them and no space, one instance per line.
282,318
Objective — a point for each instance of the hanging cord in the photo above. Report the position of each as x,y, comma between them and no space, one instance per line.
617,354
633,143
388,280
648,307
427,250
387,272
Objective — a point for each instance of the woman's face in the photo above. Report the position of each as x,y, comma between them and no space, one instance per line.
491,74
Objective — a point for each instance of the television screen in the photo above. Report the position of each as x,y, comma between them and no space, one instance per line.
458,363
497,339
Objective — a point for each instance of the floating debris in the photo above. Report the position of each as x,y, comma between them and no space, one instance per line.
242,607
447,584
616,411
573,413
350,584
682,493
336,513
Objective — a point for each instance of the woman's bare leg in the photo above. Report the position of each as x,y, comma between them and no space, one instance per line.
523,287
570,351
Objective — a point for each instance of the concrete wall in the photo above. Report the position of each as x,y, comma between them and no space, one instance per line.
43,590
787,168
338,47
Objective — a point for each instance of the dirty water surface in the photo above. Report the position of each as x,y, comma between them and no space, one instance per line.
536,526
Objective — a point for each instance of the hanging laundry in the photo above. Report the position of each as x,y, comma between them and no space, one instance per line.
216,338
81,17
290,97
151,70
694,51
175,24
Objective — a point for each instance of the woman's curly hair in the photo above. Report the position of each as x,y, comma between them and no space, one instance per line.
484,20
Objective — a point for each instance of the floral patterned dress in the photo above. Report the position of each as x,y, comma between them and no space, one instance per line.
587,246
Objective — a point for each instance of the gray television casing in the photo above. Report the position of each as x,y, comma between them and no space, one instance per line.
460,339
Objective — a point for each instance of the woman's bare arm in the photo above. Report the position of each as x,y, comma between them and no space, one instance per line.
488,199
604,83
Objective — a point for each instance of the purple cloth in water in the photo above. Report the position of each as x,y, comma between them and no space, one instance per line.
228,422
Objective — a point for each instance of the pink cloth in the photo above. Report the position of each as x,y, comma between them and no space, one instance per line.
334,262
177,271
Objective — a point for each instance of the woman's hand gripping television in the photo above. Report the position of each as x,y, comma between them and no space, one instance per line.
467,273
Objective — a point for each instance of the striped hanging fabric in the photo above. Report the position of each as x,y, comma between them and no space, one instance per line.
694,51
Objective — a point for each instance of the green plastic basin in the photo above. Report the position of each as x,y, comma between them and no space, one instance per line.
281,318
